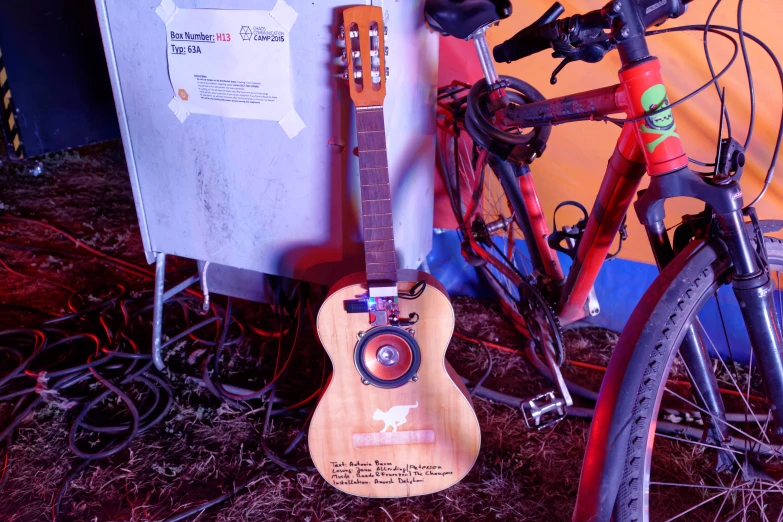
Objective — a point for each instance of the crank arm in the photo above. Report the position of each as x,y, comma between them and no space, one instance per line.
549,408
557,376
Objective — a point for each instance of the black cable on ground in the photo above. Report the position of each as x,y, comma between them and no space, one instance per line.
88,360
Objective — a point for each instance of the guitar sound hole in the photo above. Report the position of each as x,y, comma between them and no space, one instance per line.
387,357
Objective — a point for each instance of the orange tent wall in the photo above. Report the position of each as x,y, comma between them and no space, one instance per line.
577,153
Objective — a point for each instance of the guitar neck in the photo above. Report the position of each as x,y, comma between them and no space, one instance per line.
377,223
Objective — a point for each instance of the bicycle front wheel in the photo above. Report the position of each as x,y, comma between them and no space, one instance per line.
673,469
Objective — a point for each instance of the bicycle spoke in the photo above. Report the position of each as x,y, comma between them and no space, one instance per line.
744,399
766,423
762,444
775,484
723,503
697,506
696,443
700,393
733,363
760,501
702,486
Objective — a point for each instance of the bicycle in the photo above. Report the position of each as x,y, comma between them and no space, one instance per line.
666,363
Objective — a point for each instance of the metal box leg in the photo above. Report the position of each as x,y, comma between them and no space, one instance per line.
157,314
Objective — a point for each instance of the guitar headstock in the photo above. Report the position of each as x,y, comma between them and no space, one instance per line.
365,54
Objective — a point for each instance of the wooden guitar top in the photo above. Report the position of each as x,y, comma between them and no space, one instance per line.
419,438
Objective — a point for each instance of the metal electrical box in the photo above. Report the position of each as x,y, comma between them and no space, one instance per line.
241,193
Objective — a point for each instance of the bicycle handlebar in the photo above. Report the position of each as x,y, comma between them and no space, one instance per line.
526,42
551,14
585,37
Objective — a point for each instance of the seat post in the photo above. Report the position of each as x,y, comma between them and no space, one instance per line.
485,56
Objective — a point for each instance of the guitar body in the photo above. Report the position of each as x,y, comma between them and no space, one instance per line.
414,439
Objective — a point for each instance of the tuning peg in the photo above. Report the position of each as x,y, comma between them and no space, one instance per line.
385,30
345,74
344,56
387,72
386,51
341,34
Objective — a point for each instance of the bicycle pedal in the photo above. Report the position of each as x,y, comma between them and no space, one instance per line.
543,411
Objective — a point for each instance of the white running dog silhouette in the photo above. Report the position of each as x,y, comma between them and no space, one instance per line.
395,417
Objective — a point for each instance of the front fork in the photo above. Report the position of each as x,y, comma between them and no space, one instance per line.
754,290
658,140
751,283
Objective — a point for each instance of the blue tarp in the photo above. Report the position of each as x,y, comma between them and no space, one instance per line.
619,287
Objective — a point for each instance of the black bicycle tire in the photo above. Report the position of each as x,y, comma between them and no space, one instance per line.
665,324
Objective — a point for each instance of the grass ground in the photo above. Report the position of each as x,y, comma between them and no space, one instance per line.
205,448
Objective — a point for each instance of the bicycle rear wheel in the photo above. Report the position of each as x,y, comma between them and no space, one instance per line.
485,216
680,477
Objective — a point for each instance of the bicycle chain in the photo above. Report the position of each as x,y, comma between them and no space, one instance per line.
536,310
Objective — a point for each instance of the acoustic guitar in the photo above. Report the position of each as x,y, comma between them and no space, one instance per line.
395,419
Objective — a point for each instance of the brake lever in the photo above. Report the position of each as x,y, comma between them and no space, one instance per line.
561,65
592,44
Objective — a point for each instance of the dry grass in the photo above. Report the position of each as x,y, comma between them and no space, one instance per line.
204,449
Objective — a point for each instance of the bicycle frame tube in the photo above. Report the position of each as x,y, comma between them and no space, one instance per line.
650,144
538,227
598,102
618,188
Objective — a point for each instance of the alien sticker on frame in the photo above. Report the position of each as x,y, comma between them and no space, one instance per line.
662,124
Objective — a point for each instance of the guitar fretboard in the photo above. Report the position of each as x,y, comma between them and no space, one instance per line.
377,223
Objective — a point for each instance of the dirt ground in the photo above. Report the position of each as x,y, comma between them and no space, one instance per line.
205,448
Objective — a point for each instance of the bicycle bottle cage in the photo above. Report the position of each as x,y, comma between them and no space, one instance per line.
506,142
572,236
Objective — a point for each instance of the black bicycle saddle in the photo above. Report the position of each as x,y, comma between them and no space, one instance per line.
462,18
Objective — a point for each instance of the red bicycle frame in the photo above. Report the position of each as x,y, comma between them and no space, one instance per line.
647,144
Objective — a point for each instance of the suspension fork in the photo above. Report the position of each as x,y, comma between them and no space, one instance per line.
754,290
751,282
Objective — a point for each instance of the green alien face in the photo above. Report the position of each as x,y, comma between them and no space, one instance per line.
653,99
